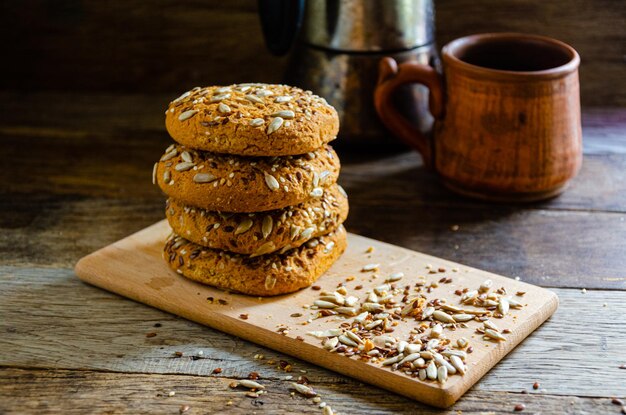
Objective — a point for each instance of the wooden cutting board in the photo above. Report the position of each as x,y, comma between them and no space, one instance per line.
133,267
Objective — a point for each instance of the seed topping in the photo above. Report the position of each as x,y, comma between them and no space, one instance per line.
244,226
204,178
223,108
271,182
187,115
257,122
184,166
274,125
286,114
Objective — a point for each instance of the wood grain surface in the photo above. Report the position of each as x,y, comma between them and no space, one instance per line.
133,267
176,45
79,392
76,178
90,156
99,331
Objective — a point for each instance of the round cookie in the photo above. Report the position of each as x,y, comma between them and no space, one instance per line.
252,120
265,275
262,233
227,183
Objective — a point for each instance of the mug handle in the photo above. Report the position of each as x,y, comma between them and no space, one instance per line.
391,77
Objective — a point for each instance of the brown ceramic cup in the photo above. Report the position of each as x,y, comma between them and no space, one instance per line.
507,115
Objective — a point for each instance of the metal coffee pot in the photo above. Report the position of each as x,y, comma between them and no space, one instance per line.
338,48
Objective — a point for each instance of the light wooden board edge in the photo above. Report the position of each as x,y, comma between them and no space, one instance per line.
89,270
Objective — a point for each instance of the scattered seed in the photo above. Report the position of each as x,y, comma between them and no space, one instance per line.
443,362
350,301
274,125
347,341
355,337
303,389
327,410
373,324
485,286
519,407
536,385
617,401
412,348
326,333
187,114
410,358
247,383
458,364
443,317
348,311
488,324
422,374
503,306
462,317
428,311
372,307
431,371
331,343
442,374
459,353
436,331
392,360
217,370
324,304
397,276
494,334
370,267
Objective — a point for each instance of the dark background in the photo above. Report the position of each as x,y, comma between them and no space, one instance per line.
167,46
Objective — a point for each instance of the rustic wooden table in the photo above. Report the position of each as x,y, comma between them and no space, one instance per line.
76,177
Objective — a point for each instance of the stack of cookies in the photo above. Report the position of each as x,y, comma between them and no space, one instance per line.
253,199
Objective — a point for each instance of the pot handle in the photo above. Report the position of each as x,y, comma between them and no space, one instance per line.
280,22
390,77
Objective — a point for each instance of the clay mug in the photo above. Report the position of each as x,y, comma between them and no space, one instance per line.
507,115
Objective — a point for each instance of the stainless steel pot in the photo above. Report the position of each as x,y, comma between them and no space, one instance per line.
336,46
